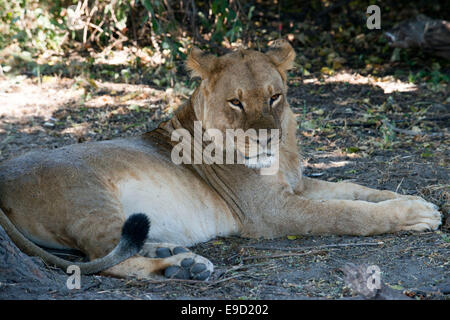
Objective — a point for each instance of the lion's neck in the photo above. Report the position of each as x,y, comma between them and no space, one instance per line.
228,180
214,175
184,117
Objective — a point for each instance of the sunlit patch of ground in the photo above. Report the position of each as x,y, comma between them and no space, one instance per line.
388,83
21,97
51,111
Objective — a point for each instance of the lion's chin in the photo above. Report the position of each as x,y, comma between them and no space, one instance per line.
260,161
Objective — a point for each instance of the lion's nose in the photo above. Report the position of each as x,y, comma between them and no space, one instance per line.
264,122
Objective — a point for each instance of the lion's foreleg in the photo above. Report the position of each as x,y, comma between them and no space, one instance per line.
324,190
300,215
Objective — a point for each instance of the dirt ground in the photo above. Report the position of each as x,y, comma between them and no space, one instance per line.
342,136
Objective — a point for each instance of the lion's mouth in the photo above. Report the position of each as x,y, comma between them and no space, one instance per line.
261,155
262,160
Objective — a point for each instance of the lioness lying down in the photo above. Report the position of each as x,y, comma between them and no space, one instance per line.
133,211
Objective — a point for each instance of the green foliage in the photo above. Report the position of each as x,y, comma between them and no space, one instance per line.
227,23
42,24
30,25
222,19
433,76
328,36
164,28
388,135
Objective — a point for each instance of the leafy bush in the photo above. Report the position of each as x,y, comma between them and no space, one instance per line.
43,25
330,36
29,24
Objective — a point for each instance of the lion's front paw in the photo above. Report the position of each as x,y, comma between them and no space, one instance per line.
416,214
189,266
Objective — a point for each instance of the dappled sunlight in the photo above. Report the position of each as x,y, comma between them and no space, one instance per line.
52,111
78,129
116,57
388,83
130,95
326,165
129,54
33,129
21,97
321,155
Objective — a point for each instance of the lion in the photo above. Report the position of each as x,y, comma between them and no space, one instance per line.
133,212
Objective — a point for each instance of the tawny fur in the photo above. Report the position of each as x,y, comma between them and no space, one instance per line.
79,196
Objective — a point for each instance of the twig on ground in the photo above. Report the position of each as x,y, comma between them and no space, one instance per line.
185,281
396,190
403,131
335,245
245,266
283,255
212,283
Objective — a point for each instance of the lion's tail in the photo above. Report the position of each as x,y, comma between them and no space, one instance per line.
134,233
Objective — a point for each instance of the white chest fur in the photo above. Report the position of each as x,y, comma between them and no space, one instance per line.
181,209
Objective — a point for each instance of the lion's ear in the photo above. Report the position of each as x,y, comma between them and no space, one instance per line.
282,54
200,64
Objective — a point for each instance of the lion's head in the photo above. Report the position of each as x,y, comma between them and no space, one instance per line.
245,90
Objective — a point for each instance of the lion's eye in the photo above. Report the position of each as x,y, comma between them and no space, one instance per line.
236,103
274,98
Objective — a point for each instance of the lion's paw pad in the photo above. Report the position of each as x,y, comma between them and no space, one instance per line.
190,268
167,252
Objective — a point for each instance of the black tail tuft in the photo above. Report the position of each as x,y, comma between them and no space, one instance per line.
135,230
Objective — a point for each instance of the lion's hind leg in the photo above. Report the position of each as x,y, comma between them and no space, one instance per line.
98,232
154,261
185,265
